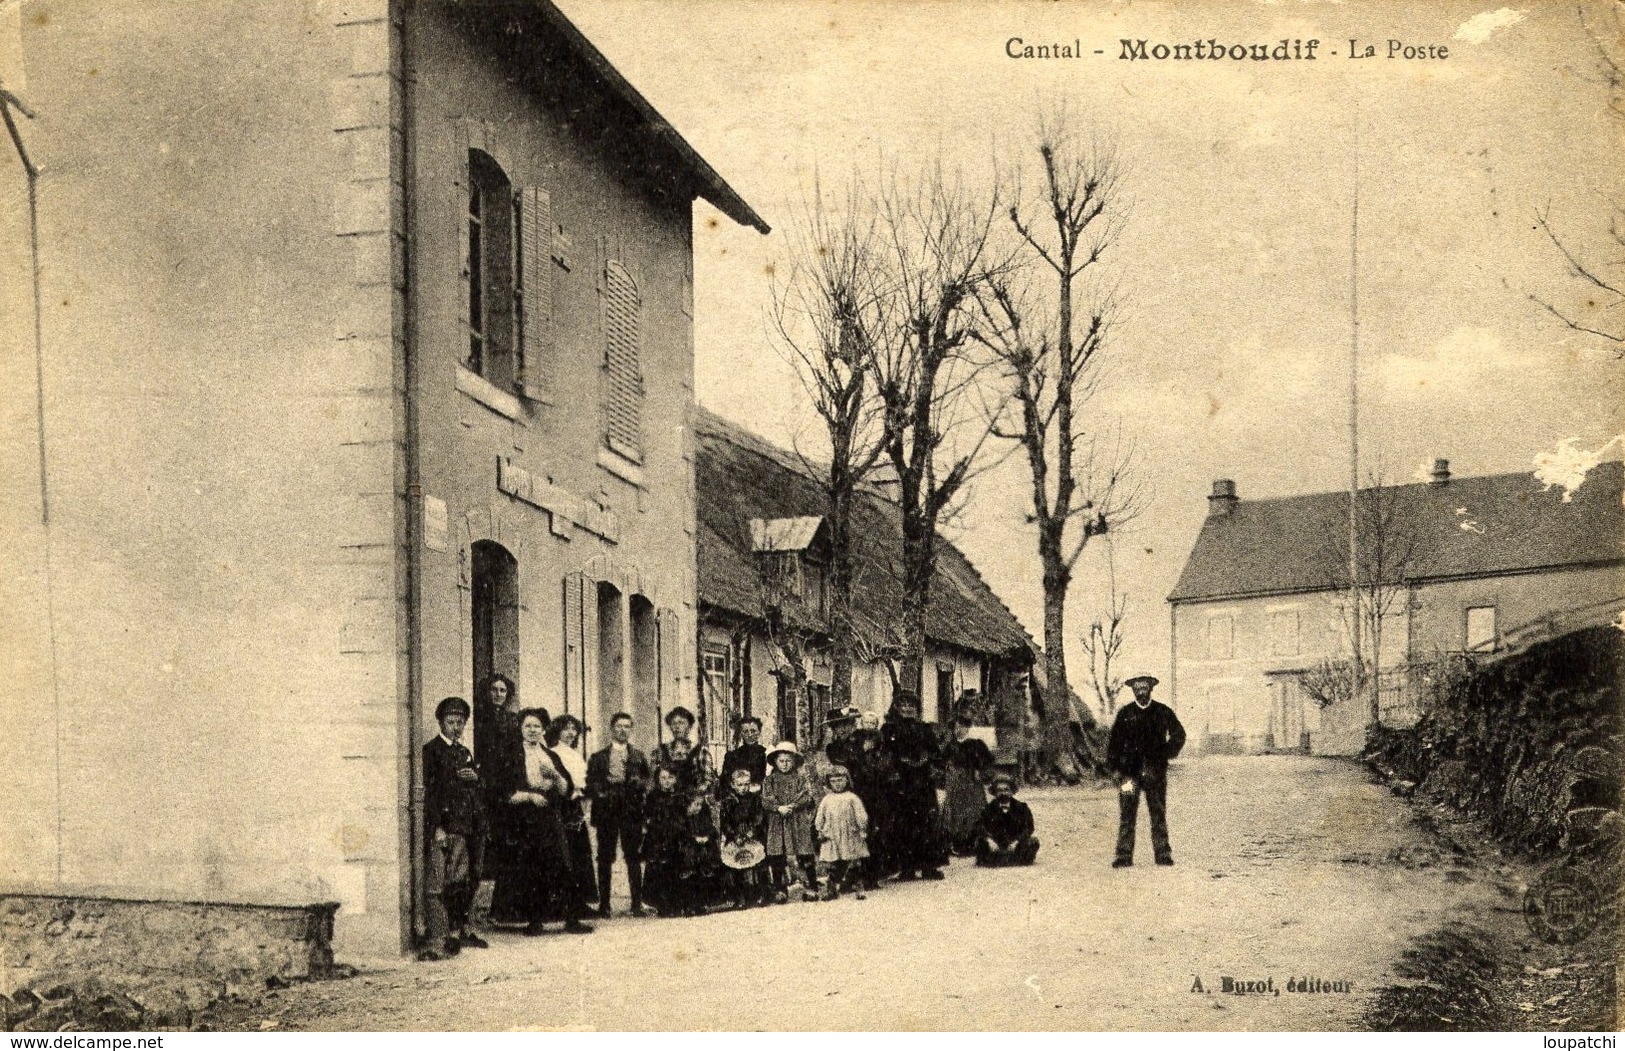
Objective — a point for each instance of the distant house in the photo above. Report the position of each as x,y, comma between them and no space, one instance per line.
1260,603
764,609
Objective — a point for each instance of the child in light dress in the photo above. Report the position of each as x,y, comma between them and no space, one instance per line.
843,833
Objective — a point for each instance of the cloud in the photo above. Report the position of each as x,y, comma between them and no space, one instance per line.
1455,362
1483,25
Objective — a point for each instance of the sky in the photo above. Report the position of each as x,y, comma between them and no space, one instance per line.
1237,249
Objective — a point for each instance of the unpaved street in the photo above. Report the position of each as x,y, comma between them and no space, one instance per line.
1288,867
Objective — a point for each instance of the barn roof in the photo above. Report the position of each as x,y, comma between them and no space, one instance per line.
740,477
1492,525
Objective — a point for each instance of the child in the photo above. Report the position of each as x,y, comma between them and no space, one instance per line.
741,823
665,832
787,799
1005,833
843,829
698,878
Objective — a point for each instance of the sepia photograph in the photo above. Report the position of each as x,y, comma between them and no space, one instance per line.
811,516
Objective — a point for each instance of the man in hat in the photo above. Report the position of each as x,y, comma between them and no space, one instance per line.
1005,833
454,829
1145,736
617,777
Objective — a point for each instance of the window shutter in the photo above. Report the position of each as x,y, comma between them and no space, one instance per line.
669,660
575,648
592,707
536,360
623,399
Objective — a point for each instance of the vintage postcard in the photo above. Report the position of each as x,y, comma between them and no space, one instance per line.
811,516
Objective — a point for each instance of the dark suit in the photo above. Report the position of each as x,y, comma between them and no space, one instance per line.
1009,826
617,814
454,808
1142,742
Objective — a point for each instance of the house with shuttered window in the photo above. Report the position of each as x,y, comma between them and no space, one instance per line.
364,374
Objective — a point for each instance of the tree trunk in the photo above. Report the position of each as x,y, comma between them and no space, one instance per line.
919,558
840,599
1057,742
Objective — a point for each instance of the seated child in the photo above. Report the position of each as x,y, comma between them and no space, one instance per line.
741,823
1004,835
843,829
787,800
665,833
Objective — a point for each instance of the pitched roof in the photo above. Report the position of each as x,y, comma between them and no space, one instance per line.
649,134
783,534
1466,527
740,477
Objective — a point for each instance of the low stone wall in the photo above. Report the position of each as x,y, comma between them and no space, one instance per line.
88,962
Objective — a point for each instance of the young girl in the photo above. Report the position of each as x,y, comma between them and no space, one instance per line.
700,878
742,823
843,829
665,835
788,800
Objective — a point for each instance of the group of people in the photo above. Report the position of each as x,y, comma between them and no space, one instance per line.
841,818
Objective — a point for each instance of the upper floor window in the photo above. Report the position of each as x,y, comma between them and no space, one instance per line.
1220,637
491,266
1481,628
623,382
1284,633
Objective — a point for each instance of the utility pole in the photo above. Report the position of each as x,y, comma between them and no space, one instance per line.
1355,666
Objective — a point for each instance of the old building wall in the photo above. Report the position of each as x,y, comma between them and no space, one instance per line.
1440,609
570,511
202,688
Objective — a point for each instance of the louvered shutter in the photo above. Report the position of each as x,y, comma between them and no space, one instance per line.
536,359
592,707
623,396
669,660
574,647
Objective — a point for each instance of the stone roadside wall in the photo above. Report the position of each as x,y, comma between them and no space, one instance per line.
88,963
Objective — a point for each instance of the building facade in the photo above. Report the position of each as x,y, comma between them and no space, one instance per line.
764,612
363,370
1473,565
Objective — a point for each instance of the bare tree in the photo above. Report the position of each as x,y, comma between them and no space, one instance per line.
826,313
1048,325
1601,279
1104,640
939,264
1387,546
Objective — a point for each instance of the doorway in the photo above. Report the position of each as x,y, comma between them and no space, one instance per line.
495,601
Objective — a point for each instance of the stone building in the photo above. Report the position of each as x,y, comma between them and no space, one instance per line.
363,370
764,611
1472,564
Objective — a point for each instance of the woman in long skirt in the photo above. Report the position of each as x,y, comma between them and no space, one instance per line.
969,762
535,882
562,736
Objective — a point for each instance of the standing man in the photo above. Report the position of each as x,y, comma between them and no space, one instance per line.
454,830
1145,736
617,777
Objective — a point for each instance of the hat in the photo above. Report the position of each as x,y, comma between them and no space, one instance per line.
1002,778
784,748
837,771
451,704
1149,680
680,712
846,714
744,855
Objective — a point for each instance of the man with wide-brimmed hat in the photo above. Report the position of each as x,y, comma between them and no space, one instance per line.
1004,835
1145,736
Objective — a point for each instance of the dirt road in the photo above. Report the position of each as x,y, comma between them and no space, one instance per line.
1287,868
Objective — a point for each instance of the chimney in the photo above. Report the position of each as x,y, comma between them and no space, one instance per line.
1441,472
1223,500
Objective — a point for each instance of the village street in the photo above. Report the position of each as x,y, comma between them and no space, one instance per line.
1288,867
